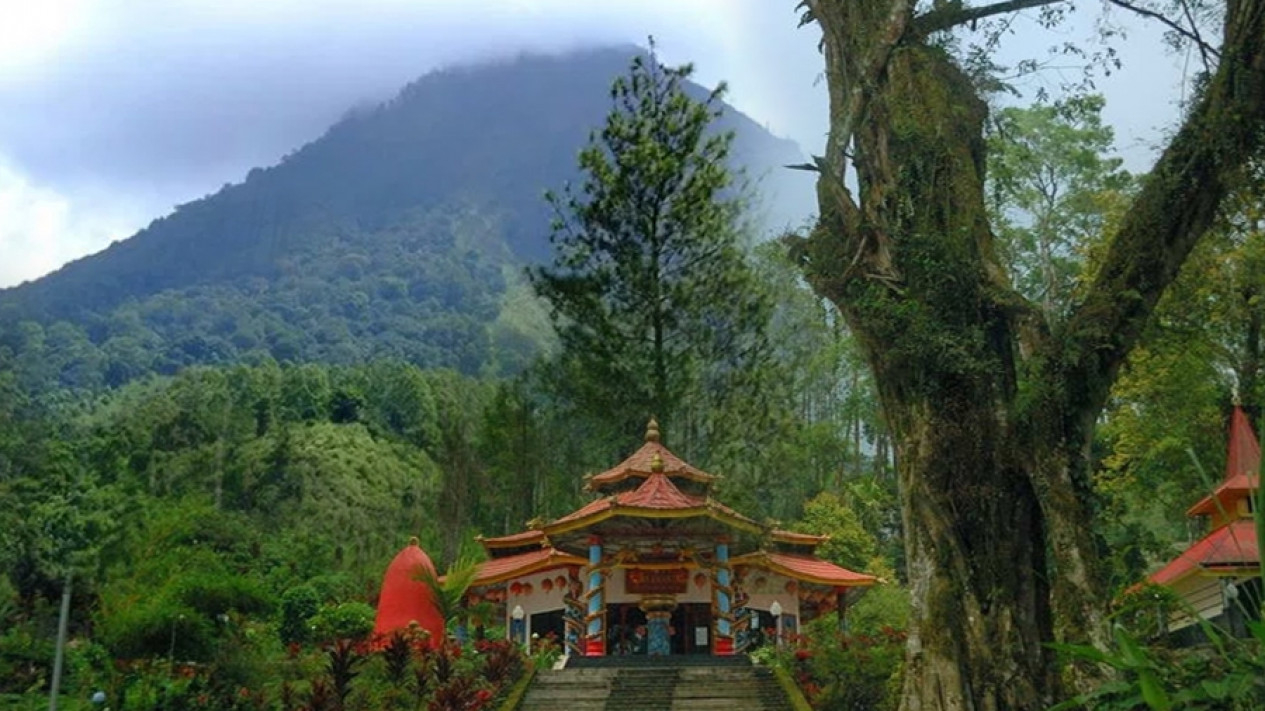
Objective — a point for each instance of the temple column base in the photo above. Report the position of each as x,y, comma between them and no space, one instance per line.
594,647
658,609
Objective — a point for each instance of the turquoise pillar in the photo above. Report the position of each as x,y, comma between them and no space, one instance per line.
595,644
722,597
659,640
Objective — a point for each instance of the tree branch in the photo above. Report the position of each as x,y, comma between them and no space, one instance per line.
1204,48
1177,204
943,18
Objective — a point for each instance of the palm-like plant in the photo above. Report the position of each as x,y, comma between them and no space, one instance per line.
449,590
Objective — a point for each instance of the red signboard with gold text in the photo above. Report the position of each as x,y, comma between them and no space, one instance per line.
672,581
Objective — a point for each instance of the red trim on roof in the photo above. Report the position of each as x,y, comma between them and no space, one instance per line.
799,539
1242,467
514,539
807,568
501,569
658,492
639,465
1230,546
589,509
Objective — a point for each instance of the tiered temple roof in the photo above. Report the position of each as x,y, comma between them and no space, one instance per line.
654,497
1231,546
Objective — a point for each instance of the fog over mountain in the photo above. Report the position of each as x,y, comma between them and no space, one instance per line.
400,233
115,111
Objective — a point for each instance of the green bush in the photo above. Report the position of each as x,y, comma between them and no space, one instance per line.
840,671
1227,674
213,593
157,627
24,658
348,620
298,605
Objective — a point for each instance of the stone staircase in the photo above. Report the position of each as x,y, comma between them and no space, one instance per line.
662,686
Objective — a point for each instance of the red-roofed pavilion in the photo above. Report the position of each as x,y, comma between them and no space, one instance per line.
655,565
1224,565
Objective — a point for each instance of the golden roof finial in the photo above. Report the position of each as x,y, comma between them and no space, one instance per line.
652,430
656,464
412,541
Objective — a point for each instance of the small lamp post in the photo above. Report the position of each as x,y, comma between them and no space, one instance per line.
776,610
518,625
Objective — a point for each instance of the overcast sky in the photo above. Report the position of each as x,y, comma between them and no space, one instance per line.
114,111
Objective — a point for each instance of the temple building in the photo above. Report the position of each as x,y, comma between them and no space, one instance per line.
654,565
1218,577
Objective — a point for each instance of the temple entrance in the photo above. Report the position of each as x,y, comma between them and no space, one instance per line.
692,628
548,626
625,629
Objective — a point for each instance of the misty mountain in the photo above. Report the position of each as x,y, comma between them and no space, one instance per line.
399,233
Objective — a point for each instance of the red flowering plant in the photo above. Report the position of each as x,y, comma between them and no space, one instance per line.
838,670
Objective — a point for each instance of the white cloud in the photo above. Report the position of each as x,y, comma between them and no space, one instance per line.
115,110
41,229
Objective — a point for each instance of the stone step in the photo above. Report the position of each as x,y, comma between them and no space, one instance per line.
659,687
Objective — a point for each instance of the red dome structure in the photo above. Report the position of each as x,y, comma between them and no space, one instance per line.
406,599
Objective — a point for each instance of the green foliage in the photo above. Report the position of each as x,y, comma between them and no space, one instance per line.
390,237
1051,189
650,291
298,605
449,590
344,621
1201,351
883,607
844,671
25,655
1228,675
850,545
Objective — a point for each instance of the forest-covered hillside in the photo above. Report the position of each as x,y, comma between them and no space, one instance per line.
214,436
400,233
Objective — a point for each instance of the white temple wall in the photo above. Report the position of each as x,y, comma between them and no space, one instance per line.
543,597
764,587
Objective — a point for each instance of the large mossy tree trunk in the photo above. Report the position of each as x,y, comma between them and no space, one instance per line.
990,405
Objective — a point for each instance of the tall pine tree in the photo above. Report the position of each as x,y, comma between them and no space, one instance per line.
655,304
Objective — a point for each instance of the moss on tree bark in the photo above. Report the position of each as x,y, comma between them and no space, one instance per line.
992,406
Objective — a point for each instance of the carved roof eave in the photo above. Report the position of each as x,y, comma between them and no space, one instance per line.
710,510
763,559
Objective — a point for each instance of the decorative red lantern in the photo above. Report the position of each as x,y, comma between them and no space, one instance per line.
546,584
527,589
700,580
560,581
516,588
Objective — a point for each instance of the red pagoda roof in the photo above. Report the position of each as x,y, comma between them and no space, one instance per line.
1242,467
651,458
656,496
807,568
1229,547
501,569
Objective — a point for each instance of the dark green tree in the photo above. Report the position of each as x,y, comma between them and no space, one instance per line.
992,404
650,289
1052,185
